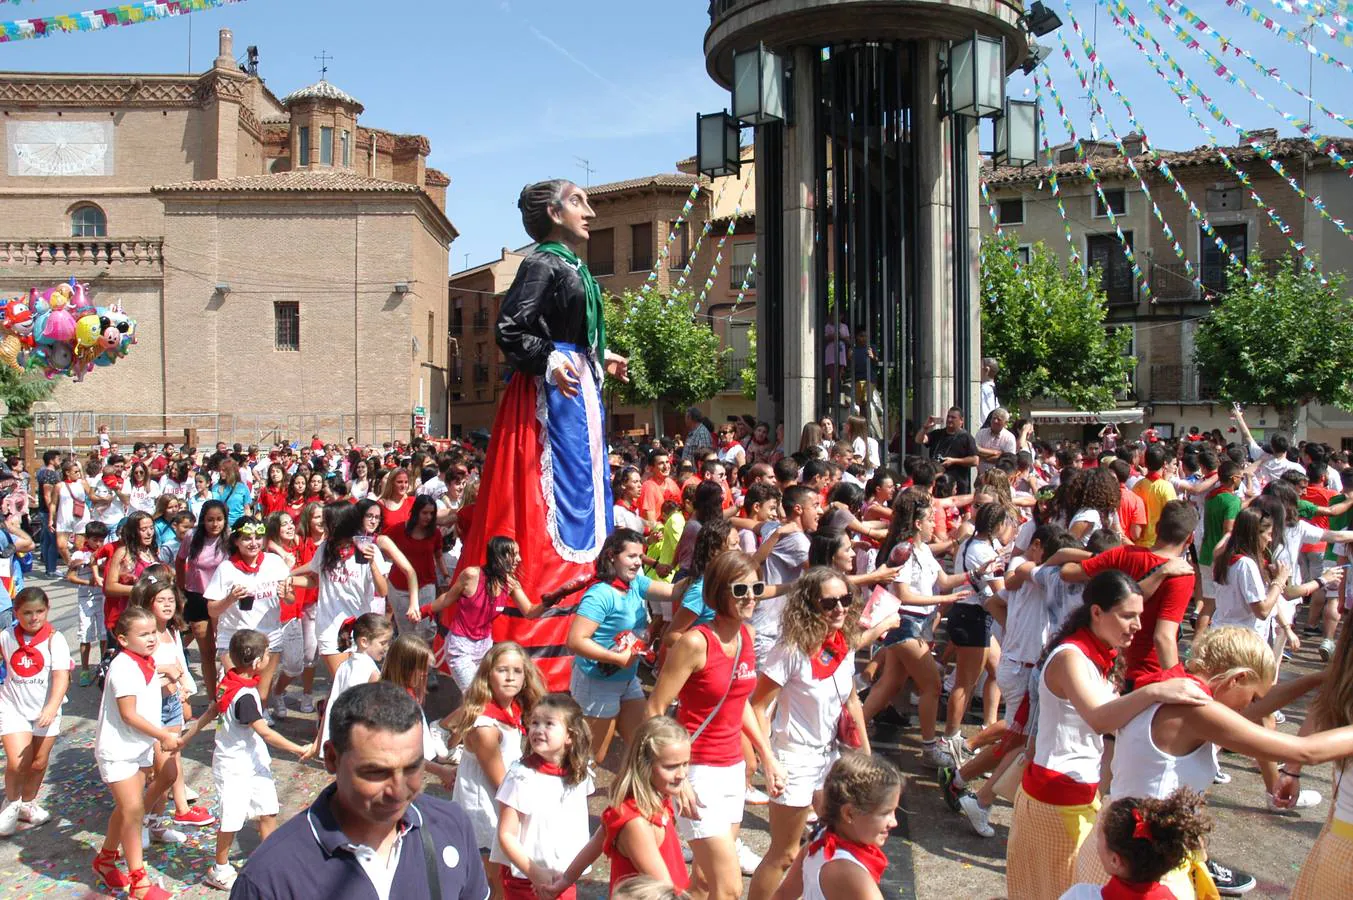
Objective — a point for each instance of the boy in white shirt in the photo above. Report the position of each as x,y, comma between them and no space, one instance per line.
241,767
89,598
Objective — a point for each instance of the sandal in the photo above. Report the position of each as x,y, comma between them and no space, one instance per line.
141,887
105,866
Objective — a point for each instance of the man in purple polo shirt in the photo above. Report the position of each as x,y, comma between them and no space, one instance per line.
364,837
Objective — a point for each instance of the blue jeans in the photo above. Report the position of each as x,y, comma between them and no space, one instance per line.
50,555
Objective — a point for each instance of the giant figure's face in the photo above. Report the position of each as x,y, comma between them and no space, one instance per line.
574,214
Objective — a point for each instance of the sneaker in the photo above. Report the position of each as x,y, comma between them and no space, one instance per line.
977,815
1230,882
747,858
956,748
307,704
936,757
36,815
1326,649
756,796
86,678
1305,800
190,795
948,790
1279,718
9,818
221,877
278,704
194,817
163,832
1220,777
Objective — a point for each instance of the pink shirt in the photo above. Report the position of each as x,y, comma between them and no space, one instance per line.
475,612
197,572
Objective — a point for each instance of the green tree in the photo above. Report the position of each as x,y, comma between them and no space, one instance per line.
1045,326
749,370
673,357
20,390
1279,338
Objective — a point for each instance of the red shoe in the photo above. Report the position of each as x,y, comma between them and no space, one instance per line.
141,888
105,866
196,816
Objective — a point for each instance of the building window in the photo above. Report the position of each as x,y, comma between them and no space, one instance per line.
601,252
680,253
1023,254
345,142
1010,212
1214,261
641,247
1106,251
431,333
742,266
326,146
1117,203
286,317
88,221
305,145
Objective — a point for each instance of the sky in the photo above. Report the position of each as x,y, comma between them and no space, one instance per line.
513,91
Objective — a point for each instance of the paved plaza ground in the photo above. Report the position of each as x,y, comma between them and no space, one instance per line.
934,855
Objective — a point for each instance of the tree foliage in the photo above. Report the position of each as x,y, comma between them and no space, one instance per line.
749,370
20,390
1045,326
673,357
1279,338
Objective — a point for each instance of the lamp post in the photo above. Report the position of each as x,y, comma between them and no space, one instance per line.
1017,134
976,78
758,86
717,144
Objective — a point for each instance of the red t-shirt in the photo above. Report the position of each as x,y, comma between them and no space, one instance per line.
1131,510
422,555
1170,601
394,519
614,820
112,606
1320,496
316,444
272,500
655,494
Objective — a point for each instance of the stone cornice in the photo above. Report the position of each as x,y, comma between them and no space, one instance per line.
26,90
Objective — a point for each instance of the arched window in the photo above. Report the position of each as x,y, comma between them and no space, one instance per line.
88,221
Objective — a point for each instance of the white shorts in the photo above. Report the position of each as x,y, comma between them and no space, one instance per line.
274,643
298,644
327,638
114,770
14,722
722,791
91,627
805,773
1013,678
244,797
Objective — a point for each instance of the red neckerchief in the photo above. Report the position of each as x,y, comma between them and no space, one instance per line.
1175,671
829,656
232,684
1235,558
510,716
43,633
1095,650
1153,476
870,856
1219,489
345,553
632,507
535,762
238,562
145,663
1118,889
27,660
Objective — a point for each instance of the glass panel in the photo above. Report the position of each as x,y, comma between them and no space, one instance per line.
305,146
746,101
1023,133
991,77
772,85
961,78
345,138
326,146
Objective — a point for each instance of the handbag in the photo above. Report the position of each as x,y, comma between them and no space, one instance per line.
732,676
847,732
77,505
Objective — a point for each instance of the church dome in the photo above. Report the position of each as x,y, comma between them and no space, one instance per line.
321,90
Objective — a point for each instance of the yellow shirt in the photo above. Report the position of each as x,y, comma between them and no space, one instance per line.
1155,494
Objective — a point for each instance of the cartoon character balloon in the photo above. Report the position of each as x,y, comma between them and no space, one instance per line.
61,333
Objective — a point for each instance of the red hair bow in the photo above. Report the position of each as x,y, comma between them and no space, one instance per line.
1143,828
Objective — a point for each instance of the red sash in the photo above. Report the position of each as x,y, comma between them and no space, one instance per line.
1056,789
536,762
238,562
1118,889
145,663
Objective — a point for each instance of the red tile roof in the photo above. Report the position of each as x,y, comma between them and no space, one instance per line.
667,180
298,180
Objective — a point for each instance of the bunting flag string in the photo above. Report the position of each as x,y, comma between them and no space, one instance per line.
1056,189
1274,163
723,240
746,283
1090,173
99,19
1098,110
673,230
705,229
1276,27
1241,176
1312,13
1162,166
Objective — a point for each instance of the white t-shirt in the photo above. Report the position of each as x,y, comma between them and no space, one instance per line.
971,554
115,740
1244,585
1060,595
1003,442
1027,620
554,825
349,590
625,518
141,499
808,708
867,449
356,669
783,566
29,676
81,563
265,585
920,573
241,751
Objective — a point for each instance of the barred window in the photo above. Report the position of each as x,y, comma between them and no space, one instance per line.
286,316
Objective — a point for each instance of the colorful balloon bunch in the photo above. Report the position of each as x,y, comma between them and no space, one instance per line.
61,333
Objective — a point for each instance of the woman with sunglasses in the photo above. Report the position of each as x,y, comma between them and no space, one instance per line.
810,678
142,491
710,673
247,591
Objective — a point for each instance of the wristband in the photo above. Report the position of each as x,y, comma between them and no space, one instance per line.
1282,770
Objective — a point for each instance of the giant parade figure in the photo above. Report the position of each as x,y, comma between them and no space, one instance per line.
546,483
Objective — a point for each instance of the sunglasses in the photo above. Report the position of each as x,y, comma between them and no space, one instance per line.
741,590
252,530
830,603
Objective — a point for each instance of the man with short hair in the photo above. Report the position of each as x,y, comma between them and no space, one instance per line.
698,438
49,484
952,447
659,486
995,440
1156,491
364,838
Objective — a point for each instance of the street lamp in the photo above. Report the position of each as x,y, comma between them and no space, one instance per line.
1042,20
758,86
976,77
717,144
1017,134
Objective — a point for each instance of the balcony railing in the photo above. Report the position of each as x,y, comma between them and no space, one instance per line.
733,366
720,8
1179,384
641,263
678,261
736,274
1171,283
601,267
142,253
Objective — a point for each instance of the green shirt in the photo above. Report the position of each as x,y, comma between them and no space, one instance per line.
1306,509
1219,509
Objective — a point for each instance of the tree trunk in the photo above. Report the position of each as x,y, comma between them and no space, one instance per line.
1287,419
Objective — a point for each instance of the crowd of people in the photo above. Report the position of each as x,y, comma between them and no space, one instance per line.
756,613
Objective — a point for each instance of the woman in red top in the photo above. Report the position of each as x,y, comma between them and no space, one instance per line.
314,487
711,672
421,543
272,497
137,550
395,499
296,501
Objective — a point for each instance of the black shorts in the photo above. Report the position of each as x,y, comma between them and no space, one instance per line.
195,607
969,625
